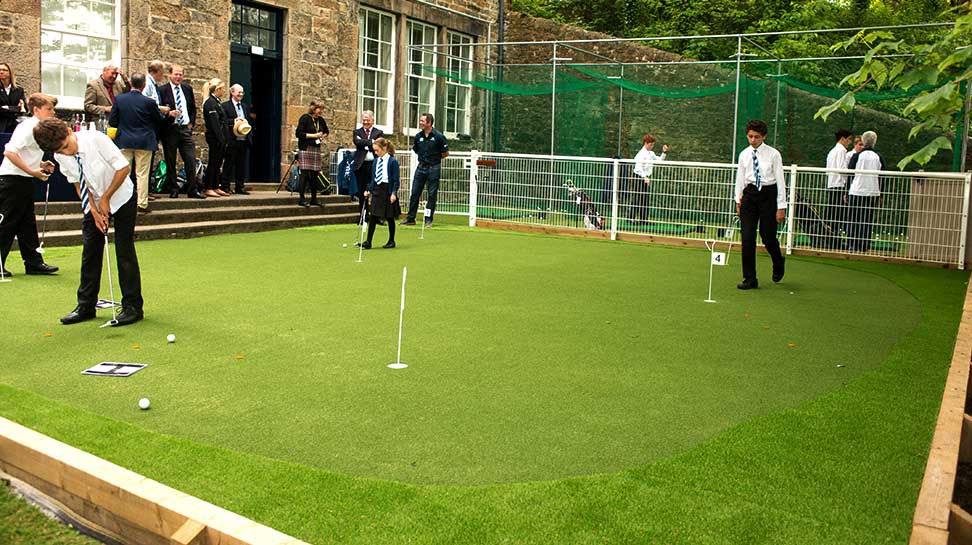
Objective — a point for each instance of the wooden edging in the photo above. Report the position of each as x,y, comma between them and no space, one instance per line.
937,520
123,505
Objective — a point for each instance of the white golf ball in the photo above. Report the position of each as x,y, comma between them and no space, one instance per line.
171,338
143,403
345,245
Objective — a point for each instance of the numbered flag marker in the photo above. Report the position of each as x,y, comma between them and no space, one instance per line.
719,258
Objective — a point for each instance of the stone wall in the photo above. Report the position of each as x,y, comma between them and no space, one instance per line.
20,41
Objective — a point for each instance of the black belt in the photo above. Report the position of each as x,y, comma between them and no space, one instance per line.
426,165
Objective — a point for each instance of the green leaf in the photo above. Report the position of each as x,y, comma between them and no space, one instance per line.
962,56
926,153
933,101
916,76
845,103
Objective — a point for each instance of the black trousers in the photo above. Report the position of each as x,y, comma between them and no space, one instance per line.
122,237
424,174
758,209
179,138
860,222
17,207
834,215
363,177
217,150
237,153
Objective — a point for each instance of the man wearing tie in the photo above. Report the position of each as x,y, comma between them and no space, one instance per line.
364,153
238,148
760,200
137,117
100,93
177,95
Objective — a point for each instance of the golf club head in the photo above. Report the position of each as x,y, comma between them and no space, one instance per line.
40,249
110,323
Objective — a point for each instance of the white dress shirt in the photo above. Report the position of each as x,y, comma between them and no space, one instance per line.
770,169
23,144
101,159
381,165
867,185
837,159
150,90
644,160
183,118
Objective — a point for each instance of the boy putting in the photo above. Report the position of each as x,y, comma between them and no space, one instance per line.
760,201
99,171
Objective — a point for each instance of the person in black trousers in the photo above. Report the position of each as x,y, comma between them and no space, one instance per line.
364,154
383,192
237,145
177,132
310,132
431,147
92,162
12,101
760,201
215,135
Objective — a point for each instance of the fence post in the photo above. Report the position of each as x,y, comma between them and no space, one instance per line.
614,200
473,186
965,222
791,213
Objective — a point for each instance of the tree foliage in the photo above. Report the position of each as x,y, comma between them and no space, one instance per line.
944,64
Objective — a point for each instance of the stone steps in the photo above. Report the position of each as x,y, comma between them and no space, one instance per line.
262,210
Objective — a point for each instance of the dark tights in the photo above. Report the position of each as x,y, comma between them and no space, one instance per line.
308,179
373,222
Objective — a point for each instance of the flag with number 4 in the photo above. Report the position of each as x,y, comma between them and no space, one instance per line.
719,258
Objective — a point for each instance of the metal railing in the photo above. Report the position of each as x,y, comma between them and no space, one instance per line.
919,216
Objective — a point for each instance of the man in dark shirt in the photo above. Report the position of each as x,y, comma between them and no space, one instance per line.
431,147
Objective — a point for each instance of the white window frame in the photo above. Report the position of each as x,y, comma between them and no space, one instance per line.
458,45
415,59
386,52
91,68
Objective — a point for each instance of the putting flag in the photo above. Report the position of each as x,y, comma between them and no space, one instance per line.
719,258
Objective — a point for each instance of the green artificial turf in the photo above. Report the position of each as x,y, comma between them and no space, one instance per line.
560,390
22,524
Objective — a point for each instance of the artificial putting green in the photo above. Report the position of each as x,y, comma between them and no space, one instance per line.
531,359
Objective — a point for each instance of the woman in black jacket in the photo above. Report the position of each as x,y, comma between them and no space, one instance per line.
215,135
12,101
310,132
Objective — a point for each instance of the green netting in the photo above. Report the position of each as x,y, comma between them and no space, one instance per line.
860,96
653,90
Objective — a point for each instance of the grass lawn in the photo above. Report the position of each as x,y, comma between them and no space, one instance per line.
22,524
559,389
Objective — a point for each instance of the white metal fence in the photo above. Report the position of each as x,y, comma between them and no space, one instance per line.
918,216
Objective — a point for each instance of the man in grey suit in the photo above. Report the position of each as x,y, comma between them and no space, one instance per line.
100,93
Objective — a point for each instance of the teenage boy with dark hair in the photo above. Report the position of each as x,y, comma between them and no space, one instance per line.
760,201
90,160
22,165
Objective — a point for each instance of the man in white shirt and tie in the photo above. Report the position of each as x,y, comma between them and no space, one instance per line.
91,161
178,96
760,202
238,145
837,159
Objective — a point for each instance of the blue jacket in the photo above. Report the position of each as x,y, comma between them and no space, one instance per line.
347,184
392,175
137,118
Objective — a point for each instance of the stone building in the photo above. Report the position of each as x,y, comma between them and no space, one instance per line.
285,53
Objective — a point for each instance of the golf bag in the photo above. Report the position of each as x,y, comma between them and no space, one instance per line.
157,183
812,223
592,219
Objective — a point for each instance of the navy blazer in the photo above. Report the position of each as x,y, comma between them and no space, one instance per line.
394,180
231,116
167,98
137,118
363,145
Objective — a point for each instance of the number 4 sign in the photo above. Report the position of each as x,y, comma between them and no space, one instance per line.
719,258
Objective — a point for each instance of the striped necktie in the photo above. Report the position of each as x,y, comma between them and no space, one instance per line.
380,171
85,205
180,106
759,175
239,110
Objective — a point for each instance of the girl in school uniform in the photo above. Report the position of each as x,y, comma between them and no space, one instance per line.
382,191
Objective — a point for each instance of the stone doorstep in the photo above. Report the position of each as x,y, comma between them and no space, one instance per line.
256,198
204,228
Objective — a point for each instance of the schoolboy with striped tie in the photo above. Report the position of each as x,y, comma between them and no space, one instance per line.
92,162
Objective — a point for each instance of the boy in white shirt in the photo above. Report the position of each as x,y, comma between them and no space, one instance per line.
760,201
643,169
91,160
836,186
23,164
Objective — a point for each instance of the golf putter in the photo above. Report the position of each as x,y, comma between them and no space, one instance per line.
47,196
362,231
111,289
3,266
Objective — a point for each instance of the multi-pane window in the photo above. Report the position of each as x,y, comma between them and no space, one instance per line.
420,87
376,65
251,25
78,38
458,90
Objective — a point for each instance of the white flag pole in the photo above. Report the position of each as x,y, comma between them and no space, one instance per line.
425,217
401,316
3,266
710,244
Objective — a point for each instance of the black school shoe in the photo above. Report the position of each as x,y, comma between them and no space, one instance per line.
389,244
778,271
79,314
748,284
43,268
127,316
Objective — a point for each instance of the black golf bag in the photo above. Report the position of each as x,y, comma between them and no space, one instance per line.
592,219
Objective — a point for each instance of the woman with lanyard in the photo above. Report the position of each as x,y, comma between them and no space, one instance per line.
383,192
311,130
215,135
12,99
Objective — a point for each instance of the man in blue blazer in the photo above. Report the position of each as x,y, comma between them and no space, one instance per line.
177,135
136,118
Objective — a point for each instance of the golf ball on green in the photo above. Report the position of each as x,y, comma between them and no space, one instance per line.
143,403
171,338
345,245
